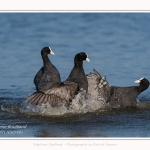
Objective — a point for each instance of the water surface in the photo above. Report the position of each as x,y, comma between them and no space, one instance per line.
118,47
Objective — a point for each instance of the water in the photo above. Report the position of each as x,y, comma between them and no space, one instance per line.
118,47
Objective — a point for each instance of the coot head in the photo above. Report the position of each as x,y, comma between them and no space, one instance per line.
143,84
47,50
81,57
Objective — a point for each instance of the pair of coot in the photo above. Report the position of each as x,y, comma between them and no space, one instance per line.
48,83
50,88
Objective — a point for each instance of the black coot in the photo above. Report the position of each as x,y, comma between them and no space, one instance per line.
115,96
48,76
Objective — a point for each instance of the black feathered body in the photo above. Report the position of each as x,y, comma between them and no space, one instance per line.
77,74
48,76
119,96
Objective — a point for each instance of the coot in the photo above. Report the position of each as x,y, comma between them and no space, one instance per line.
48,76
77,73
115,96
63,93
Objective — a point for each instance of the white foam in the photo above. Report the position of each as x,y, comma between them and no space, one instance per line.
82,103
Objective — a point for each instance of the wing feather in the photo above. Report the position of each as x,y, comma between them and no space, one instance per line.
62,94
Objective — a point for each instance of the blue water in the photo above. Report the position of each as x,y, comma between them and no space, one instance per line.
118,47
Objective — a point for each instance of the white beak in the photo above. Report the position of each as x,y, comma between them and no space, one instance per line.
51,51
87,59
137,81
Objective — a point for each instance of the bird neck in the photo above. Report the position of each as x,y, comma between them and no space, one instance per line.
76,72
46,61
143,87
78,63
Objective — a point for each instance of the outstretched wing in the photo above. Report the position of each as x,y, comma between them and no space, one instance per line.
62,94
93,81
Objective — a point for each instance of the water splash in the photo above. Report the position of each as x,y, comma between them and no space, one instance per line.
82,103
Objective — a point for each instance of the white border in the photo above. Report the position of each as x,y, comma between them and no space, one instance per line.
75,143
68,6
74,5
